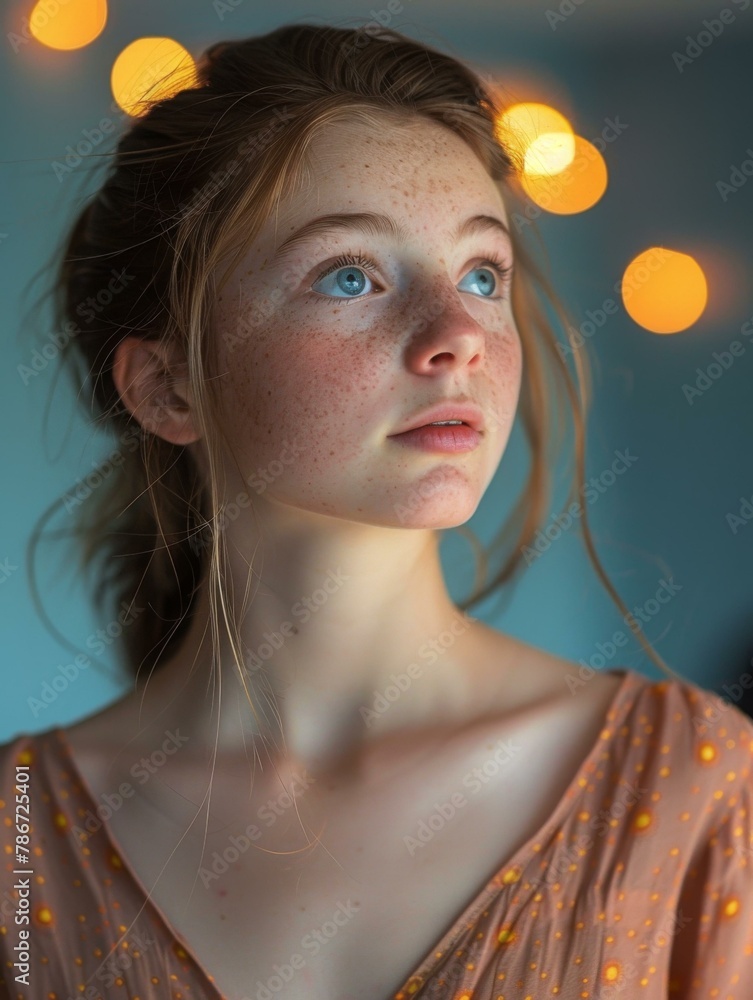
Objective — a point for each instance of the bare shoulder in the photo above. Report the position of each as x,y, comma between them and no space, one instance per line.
106,742
521,676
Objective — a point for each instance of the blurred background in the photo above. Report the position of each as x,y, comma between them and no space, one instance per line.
641,190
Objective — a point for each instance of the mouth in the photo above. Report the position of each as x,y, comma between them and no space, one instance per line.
451,413
445,436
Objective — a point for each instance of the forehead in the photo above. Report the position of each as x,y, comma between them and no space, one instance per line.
352,164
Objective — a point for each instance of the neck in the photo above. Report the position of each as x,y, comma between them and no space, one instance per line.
335,652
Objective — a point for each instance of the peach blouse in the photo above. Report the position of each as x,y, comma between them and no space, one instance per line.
639,885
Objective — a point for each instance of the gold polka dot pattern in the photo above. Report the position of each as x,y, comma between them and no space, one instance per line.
640,883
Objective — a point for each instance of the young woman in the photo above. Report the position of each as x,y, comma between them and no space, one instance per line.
330,780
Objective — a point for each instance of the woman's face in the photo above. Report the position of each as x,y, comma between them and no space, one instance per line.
317,371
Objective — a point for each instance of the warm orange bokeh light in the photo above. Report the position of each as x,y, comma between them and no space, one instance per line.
538,137
68,25
574,189
149,70
549,153
664,291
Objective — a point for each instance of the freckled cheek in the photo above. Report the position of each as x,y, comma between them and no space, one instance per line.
506,372
323,392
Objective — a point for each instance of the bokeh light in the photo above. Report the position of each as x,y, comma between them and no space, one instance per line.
574,189
68,25
539,138
148,70
549,153
663,290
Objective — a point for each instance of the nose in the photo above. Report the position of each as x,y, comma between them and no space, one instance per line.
442,335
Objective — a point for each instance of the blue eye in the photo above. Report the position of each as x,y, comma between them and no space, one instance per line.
349,278
499,270
348,273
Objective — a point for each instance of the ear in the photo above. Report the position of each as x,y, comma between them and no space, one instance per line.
152,381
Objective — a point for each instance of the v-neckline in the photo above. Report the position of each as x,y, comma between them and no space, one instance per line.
478,903
456,927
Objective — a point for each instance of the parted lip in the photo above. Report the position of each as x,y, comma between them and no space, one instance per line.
469,413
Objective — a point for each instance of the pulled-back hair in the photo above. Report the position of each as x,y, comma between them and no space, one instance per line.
189,187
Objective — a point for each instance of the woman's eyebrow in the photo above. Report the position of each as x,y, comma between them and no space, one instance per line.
376,224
